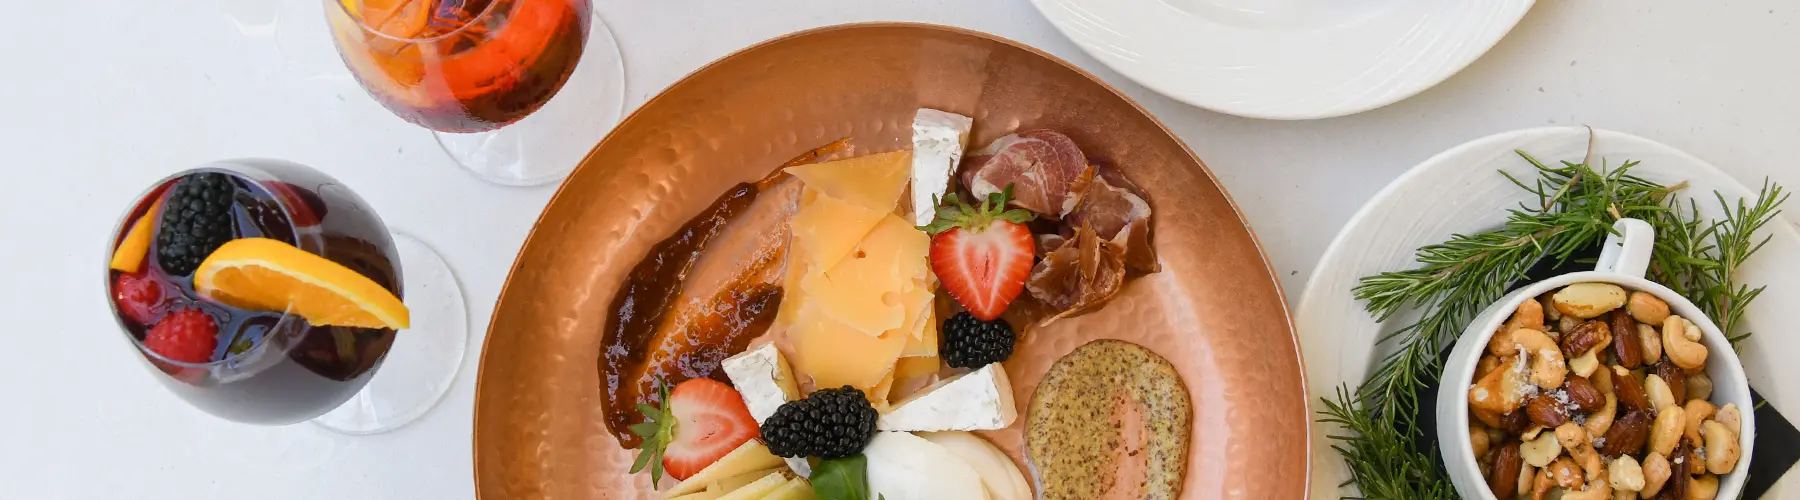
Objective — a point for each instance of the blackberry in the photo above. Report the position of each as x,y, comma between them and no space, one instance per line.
973,343
829,423
196,219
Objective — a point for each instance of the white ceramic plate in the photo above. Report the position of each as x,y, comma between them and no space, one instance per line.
1285,59
1461,191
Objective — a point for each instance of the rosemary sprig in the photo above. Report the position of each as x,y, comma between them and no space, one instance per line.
1575,209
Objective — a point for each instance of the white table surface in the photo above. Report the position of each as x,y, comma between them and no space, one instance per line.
102,97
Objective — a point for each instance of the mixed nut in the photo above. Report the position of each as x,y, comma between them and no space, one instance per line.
1595,392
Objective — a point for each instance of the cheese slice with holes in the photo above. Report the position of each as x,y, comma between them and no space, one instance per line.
834,355
872,181
829,228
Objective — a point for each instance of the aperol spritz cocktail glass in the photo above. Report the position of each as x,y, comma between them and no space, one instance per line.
517,91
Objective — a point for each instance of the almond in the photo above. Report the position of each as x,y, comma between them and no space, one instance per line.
1583,395
1503,477
1631,392
1584,338
1627,354
1544,410
1627,435
1515,421
1676,378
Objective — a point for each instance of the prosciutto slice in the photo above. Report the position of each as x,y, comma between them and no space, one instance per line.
1078,277
1046,169
1116,211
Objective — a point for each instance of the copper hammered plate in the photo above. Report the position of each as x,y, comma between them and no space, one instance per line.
1215,310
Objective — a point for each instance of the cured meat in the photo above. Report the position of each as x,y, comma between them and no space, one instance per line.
1078,277
1116,211
1046,169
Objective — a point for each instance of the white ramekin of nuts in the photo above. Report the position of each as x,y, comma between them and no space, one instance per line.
1596,385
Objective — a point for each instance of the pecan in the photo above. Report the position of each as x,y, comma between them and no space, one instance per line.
1544,410
1676,378
1631,392
1583,338
1627,354
1583,396
1503,477
1627,435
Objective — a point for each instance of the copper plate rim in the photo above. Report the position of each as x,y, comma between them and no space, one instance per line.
1268,268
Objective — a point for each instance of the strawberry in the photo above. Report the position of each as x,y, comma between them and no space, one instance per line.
187,335
702,420
981,254
137,296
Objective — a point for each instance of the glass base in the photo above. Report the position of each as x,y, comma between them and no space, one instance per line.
547,144
424,360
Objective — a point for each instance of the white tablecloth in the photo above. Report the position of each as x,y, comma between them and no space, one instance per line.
102,97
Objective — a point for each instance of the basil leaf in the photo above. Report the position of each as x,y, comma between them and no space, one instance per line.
841,478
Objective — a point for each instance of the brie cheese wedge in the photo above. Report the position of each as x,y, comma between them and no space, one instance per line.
938,141
978,400
763,377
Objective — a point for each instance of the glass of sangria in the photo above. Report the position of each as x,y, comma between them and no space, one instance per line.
517,91
265,292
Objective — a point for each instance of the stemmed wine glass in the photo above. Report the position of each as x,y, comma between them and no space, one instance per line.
516,91
224,278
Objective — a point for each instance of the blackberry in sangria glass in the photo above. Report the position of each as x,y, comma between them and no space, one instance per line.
266,292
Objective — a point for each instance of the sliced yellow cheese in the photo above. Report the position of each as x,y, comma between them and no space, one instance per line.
915,366
747,457
828,228
922,339
699,495
878,395
872,181
795,489
868,289
834,355
756,489
731,484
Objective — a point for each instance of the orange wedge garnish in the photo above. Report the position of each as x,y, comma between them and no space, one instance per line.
129,257
269,275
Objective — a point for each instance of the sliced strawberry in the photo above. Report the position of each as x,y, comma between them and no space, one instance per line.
981,254
702,420
710,421
137,296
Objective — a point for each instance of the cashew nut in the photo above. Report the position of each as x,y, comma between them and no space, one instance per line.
1722,451
1586,364
1574,438
1549,307
1619,494
1665,431
1601,421
1587,300
1527,477
1625,474
1547,365
1680,344
1704,487
1597,489
1500,391
1565,473
1478,440
1658,390
1541,485
1539,452
1530,314
1697,410
1729,417
1699,386
1652,343
1647,308
1656,473
1602,380
1486,365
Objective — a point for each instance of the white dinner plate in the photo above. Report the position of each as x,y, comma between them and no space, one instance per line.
1461,191
1285,59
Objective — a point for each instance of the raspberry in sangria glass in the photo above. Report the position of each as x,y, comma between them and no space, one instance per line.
264,292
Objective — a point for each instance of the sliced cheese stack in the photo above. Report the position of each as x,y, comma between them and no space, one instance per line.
859,290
